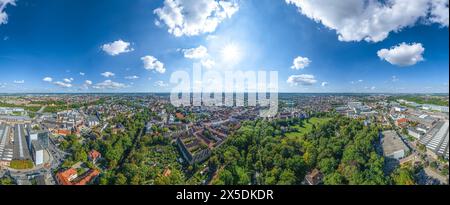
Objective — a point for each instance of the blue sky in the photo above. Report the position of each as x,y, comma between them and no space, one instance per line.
66,46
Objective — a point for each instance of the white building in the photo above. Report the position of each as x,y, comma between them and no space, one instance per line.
393,146
399,109
415,133
37,152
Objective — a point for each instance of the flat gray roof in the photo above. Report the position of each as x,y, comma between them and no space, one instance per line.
20,143
392,143
36,145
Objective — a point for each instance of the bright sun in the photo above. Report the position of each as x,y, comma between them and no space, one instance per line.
231,53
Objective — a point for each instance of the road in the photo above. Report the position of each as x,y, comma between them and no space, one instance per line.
39,112
432,173
42,109
57,155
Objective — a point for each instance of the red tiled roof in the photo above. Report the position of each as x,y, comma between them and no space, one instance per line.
167,172
94,154
179,116
64,177
63,132
87,178
402,120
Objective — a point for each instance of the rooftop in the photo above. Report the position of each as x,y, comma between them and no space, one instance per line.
392,143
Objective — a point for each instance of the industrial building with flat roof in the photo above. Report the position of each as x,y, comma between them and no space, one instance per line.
437,139
21,151
393,146
6,149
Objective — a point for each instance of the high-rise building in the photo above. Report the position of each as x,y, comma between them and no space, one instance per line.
37,152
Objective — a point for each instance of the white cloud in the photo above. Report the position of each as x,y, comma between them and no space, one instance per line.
152,63
395,79
134,77
403,54
82,74
356,82
161,84
324,84
439,12
300,63
108,84
3,85
68,80
86,84
196,53
108,74
3,14
19,82
370,88
303,79
117,47
211,37
371,20
199,53
194,17
208,63
48,79
63,84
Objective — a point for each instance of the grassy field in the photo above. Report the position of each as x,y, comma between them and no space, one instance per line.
21,164
307,127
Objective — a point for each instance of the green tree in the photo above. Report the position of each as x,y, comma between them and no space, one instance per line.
333,179
287,177
403,176
120,179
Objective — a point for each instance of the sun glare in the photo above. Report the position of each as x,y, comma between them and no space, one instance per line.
231,53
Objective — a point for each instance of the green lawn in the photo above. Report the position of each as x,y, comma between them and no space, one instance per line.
307,127
21,164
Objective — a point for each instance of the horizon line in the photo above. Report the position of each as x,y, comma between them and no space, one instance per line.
143,92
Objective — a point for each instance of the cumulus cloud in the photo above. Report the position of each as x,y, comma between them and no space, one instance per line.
303,79
199,53
134,77
108,74
324,84
63,84
117,47
152,63
439,12
82,74
108,84
196,53
161,84
371,20
300,63
19,81
48,79
68,80
208,63
86,84
3,14
403,54
194,17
